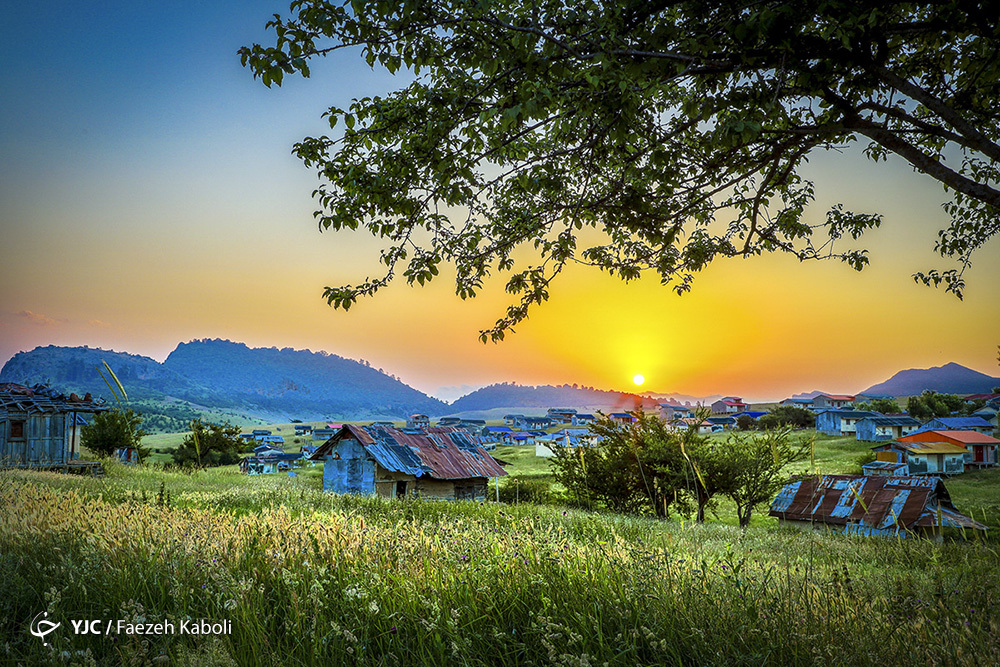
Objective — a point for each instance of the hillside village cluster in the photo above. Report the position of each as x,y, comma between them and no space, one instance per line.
450,459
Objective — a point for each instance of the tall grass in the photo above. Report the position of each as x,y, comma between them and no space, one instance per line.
316,579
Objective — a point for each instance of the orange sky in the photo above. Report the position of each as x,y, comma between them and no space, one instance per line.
147,206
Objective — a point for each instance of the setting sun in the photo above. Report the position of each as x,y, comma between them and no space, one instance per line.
638,379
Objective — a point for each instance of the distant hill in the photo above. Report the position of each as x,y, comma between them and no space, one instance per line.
948,379
207,376
298,382
507,395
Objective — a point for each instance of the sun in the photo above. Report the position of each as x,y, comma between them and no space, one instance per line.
638,379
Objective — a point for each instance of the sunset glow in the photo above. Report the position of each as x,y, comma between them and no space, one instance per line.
171,209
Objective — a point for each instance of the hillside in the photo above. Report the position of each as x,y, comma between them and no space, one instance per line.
508,395
948,379
300,383
216,378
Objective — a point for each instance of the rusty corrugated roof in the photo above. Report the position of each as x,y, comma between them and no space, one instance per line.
17,398
441,452
870,504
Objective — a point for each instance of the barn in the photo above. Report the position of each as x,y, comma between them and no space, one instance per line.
440,462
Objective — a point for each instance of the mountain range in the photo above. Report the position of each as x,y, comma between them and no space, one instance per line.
223,379
948,379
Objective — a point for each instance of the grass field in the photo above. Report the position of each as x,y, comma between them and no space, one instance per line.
308,578
311,578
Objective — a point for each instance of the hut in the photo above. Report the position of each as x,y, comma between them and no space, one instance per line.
438,462
925,458
870,505
832,401
982,449
977,424
39,427
841,422
880,429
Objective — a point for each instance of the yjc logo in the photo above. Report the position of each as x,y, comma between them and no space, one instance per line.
41,627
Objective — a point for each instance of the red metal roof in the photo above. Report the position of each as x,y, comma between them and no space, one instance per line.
441,452
838,397
964,437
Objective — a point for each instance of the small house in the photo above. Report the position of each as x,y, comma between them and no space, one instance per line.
446,421
534,423
986,398
417,421
832,401
870,505
886,468
982,449
730,405
323,434
39,427
989,415
703,426
924,458
672,411
439,462
841,422
977,424
127,455
583,419
721,423
622,417
268,463
509,420
798,402
561,415
880,429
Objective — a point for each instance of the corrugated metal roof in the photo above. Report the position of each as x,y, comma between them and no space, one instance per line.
837,397
957,423
933,448
32,400
870,504
852,414
965,437
441,452
892,421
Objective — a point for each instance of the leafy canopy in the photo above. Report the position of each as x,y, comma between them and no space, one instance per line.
674,130
209,445
108,431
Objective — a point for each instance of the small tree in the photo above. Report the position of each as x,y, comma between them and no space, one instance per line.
931,404
787,415
746,423
209,445
636,468
884,405
110,430
751,467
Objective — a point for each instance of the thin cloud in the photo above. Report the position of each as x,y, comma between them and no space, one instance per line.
98,323
38,318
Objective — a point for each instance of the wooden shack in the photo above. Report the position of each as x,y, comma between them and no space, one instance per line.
39,427
437,462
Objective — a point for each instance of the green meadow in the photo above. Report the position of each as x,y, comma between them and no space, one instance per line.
307,578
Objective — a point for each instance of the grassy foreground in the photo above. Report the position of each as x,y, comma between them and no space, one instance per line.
314,579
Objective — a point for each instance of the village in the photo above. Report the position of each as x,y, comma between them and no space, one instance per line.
901,490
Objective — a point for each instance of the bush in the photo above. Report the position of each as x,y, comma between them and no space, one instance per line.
514,490
209,445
